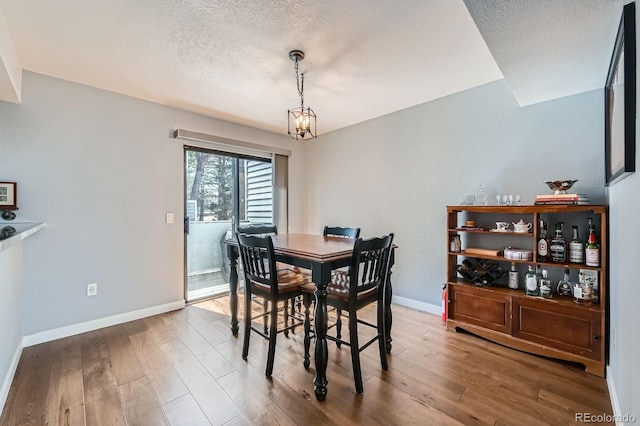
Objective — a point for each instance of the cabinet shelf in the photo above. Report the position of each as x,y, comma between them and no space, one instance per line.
490,232
526,262
556,327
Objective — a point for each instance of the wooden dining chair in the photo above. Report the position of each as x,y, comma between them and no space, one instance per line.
264,230
340,232
261,230
364,284
337,231
264,280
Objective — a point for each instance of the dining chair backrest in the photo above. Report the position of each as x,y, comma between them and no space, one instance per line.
258,230
369,265
337,231
258,261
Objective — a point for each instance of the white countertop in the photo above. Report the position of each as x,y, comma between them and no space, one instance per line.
13,232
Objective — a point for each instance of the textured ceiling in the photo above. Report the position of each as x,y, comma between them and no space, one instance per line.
364,58
548,49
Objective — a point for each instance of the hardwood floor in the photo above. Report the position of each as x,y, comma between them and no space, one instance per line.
185,368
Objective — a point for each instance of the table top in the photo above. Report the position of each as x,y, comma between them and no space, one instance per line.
316,248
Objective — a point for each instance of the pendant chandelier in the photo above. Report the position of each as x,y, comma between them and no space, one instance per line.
301,121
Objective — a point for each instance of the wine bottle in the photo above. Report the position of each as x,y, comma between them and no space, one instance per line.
576,247
588,228
545,285
558,246
513,277
531,282
543,243
592,250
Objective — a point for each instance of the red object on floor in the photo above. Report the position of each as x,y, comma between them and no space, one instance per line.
444,303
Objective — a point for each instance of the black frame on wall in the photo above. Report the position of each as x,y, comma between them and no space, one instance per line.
620,102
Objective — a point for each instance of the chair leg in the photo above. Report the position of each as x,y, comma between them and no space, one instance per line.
307,330
273,333
247,324
382,339
339,327
355,350
298,304
286,318
294,301
265,319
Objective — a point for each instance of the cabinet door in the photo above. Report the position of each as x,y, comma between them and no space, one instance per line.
561,326
481,307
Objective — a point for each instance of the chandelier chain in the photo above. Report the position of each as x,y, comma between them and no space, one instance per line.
300,84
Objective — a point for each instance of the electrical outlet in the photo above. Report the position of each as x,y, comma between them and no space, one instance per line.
92,289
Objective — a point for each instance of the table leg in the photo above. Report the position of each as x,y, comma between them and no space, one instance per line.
233,287
388,317
321,276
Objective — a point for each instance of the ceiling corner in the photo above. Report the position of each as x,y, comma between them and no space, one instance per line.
10,68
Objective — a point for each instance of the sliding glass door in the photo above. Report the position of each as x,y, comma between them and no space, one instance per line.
222,190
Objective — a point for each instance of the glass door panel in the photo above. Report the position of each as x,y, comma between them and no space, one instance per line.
222,190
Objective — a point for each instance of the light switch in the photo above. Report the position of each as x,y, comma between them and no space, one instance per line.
169,217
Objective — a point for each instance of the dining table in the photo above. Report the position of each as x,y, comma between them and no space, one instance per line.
321,255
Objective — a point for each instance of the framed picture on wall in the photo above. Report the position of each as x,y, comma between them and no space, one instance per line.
8,196
620,102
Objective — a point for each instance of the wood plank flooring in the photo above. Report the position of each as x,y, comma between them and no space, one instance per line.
185,368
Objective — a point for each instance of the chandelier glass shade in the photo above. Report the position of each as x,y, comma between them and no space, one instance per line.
301,121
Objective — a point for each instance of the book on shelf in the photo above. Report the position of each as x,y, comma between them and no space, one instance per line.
562,199
560,203
481,251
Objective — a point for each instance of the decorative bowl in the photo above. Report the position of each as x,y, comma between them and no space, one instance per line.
560,186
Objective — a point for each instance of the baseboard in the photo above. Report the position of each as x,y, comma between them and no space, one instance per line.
613,395
71,330
421,306
8,379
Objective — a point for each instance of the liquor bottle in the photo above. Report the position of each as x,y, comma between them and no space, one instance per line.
582,291
564,287
592,250
531,282
558,246
513,277
545,285
543,243
588,228
576,247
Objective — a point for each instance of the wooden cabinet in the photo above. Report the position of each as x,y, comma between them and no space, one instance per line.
556,327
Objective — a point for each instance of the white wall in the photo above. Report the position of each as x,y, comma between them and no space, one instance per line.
10,314
397,173
624,293
101,170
